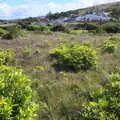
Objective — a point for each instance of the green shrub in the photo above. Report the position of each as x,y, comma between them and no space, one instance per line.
7,36
26,51
6,56
2,32
13,32
111,27
16,95
115,13
109,46
23,24
78,26
59,28
91,26
37,28
74,57
5,108
105,104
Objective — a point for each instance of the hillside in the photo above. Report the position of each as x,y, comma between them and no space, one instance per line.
98,9
102,7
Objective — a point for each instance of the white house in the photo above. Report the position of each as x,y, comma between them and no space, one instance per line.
88,17
79,18
60,20
92,17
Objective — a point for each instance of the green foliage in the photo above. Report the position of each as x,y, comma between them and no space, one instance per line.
6,56
16,95
78,26
105,104
74,57
60,28
5,108
115,13
13,32
27,21
57,15
91,26
87,26
26,51
2,32
37,28
111,27
7,36
109,46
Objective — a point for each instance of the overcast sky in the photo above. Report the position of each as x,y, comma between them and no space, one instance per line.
12,9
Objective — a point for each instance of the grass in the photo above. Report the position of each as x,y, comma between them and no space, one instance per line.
61,91
78,31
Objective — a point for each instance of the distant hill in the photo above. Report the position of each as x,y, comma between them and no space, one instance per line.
98,9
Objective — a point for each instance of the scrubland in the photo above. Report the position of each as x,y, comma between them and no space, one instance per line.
68,94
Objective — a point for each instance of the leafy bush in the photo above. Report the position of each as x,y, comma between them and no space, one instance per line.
7,36
105,104
59,28
6,56
74,57
2,32
111,27
109,46
78,26
37,28
91,26
5,108
15,95
13,32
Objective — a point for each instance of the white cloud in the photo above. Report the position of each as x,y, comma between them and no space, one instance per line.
5,10
37,7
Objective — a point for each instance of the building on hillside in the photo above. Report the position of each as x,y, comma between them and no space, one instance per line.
80,19
72,19
90,17
61,20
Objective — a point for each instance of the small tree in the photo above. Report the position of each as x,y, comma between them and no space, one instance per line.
49,15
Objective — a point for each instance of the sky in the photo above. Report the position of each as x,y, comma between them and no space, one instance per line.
14,9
